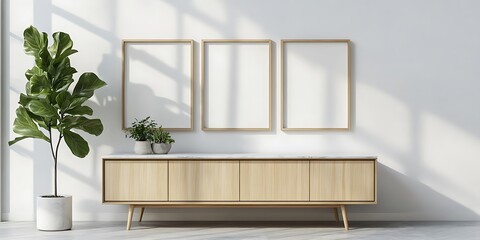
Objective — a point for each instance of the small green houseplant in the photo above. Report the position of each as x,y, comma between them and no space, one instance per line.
161,141
48,108
159,135
141,131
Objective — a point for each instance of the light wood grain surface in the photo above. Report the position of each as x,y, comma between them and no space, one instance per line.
342,181
204,181
274,181
135,180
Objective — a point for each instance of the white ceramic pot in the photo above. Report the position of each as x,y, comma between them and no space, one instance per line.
54,213
143,147
161,148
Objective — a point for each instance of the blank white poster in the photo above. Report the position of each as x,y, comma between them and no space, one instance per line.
158,82
315,84
236,85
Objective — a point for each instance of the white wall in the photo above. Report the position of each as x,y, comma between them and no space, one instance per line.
1,112
415,90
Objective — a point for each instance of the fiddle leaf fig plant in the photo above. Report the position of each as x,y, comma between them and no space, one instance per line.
48,107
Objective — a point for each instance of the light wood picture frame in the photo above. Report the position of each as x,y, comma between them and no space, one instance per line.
158,81
315,84
236,85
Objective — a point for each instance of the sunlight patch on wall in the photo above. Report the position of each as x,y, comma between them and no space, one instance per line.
214,10
25,10
202,28
17,72
155,15
448,152
70,9
93,44
20,189
386,119
247,26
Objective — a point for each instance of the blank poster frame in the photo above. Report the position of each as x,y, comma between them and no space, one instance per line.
204,81
192,64
284,42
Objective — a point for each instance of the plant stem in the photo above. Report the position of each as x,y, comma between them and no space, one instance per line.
56,161
54,157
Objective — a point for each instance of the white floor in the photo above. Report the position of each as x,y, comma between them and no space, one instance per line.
248,230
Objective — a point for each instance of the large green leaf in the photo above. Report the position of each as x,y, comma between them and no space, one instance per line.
26,127
61,47
34,71
68,123
92,126
35,44
80,110
66,74
62,74
34,41
63,100
41,121
87,84
42,108
44,59
77,101
25,99
39,84
76,143
10,143
64,85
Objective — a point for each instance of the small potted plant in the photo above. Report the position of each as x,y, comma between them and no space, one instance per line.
142,132
161,141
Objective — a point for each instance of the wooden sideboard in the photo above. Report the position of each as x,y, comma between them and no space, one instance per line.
216,180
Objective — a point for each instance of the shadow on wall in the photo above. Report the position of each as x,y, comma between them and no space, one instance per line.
400,198
162,104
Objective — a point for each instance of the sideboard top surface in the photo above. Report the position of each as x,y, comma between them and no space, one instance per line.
195,156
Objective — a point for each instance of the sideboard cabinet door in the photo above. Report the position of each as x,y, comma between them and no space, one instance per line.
135,180
203,180
273,180
352,180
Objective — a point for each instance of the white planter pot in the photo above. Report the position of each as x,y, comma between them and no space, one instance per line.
143,147
54,213
161,148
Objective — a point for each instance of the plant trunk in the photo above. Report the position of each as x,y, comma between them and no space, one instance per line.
55,173
56,162
55,159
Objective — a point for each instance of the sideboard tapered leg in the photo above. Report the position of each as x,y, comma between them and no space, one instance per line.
344,216
335,211
141,214
131,209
